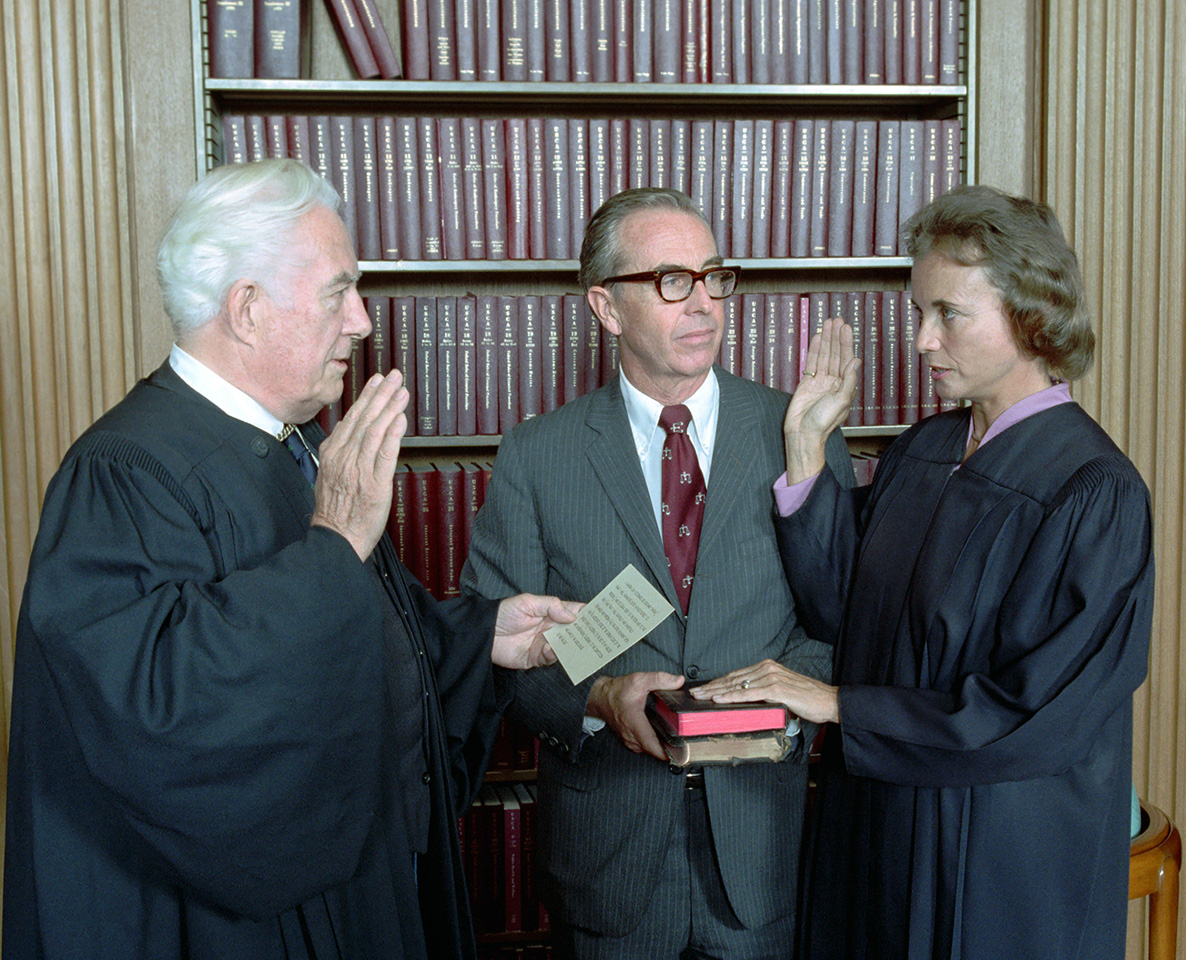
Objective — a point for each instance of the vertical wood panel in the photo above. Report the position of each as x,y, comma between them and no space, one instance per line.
1115,147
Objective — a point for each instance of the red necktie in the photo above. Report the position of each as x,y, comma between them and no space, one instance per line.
683,500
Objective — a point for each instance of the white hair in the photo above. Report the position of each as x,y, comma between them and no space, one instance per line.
236,222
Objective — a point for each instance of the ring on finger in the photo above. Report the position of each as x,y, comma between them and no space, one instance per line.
745,684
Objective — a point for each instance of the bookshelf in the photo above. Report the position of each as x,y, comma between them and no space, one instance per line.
449,277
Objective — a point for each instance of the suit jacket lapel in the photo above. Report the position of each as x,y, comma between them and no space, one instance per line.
615,462
732,460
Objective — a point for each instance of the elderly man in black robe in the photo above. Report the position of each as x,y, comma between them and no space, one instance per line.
990,599
240,728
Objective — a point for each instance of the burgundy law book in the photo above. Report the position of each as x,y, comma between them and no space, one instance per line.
688,717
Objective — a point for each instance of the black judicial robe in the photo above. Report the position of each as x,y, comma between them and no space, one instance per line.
991,625
229,736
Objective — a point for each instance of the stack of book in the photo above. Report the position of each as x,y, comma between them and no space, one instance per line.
697,732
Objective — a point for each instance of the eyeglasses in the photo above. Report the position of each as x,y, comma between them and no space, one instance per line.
676,285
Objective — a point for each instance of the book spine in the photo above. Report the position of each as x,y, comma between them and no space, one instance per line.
234,138
892,23
928,41
452,199
599,167
399,521
931,154
530,321
350,29
864,187
743,188
949,162
486,359
739,31
514,40
278,39
403,350
840,189
416,43
537,42
450,556
700,188
820,179
556,188
378,39
578,183
759,238
949,38
296,132
690,42
537,191
471,188
761,25
366,155
575,379
911,42
378,346
890,398
494,171
642,41
780,43
817,41
466,35
341,139
639,170
446,366
730,351
619,151
467,360
853,41
885,230
870,349
788,341
681,150
800,232
472,492
515,132
667,36
527,868
623,48
430,189
231,38
551,366
910,162
426,385
910,369
659,153
607,357
388,174
320,147
874,41
508,362
592,347
489,41
834,34
721,54
511,860
769,344
562,45
783,140
722,185
601,40
799,24
257,137
442,60
407,153
753,324
424,529
855,313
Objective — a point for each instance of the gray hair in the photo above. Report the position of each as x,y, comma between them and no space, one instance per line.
601,254
236,222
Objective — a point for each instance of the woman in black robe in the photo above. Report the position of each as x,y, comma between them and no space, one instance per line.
989,598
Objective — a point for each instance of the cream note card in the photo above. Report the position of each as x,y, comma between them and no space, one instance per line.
617,618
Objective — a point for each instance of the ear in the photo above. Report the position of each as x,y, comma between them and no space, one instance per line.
242,310
604,308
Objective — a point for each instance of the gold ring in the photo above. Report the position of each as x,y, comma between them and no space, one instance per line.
809,373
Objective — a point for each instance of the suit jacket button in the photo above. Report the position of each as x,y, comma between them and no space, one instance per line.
427,778
692,672
259,446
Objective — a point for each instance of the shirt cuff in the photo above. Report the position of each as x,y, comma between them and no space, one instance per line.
788,499
592,724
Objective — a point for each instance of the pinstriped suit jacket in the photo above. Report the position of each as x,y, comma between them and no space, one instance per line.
567,508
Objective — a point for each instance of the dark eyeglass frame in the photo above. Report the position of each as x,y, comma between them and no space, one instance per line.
658,275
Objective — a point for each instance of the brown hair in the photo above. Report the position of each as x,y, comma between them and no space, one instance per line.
1021,248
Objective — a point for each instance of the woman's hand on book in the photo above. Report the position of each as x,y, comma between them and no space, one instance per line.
806,697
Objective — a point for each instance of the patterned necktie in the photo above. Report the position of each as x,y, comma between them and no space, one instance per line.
683,500
296,446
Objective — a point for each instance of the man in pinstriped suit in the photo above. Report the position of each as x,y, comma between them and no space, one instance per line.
638,860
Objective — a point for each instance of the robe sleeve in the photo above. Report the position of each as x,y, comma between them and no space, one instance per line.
1070,646
229,718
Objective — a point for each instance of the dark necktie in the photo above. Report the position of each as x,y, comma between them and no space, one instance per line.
683,500
304,459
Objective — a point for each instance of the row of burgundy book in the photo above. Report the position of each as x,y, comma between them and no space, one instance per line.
912,42
425,188
478,365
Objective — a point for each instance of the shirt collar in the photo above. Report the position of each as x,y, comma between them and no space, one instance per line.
643,414
226,396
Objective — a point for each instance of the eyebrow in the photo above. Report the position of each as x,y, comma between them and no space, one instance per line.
343,279
710,262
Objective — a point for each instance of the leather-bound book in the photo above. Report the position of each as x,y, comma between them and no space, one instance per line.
231,38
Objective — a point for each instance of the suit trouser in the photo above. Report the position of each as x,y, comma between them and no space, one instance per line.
688,916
